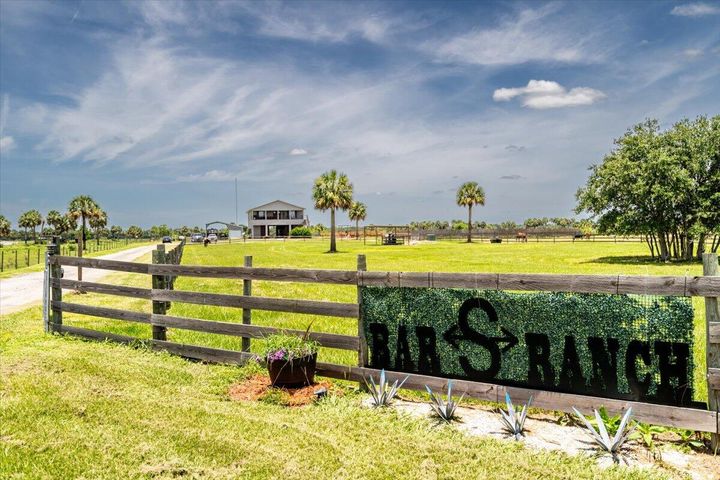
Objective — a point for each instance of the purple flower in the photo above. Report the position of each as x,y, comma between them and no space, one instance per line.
277,355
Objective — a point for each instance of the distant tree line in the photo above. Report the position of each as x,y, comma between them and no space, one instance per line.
664,185
545,223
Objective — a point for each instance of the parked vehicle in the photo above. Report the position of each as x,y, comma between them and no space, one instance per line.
197,238
166,239
213,238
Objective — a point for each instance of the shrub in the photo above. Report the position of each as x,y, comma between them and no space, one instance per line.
301,232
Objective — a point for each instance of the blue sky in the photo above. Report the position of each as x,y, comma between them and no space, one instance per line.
154,108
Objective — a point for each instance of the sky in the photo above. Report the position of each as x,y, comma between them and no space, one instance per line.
155,108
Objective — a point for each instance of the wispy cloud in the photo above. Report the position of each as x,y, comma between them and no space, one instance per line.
695,10
7,142
298,151
330,22
532,35
693,52
542,94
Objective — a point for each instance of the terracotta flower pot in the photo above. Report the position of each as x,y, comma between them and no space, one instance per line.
297,372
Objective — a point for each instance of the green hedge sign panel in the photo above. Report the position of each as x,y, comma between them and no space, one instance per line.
618,346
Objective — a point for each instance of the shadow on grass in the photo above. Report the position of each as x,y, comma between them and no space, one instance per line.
639,260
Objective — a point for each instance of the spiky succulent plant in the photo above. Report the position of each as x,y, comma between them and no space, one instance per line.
382,392
514,422
609,445
444,409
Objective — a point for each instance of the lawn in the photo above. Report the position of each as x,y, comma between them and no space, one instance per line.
73,408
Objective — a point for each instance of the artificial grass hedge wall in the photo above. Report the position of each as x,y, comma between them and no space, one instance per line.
619,346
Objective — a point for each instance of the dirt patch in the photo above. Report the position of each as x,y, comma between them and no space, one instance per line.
258,388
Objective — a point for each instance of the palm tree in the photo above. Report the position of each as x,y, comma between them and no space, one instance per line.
4,227
98,221
469,194
358,211
332,191
134,231
30,219
82,207
57,221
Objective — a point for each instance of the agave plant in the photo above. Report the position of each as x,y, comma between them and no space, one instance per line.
513,422
382,392
444,409
601,437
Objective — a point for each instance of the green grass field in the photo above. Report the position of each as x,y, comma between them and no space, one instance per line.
73,408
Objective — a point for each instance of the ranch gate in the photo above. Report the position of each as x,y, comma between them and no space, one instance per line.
481,298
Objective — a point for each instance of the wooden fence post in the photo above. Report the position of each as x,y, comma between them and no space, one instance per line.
158,282
247,313
54,293
712,348
362,347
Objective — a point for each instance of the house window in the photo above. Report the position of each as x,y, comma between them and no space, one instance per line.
271,214
296,214
258,215
283,215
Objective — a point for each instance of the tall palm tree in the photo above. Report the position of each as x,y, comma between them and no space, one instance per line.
82,207
332,191
469,194
98,221
357,212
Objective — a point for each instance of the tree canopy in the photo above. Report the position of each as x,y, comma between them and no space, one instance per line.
661,184
30,219
4,226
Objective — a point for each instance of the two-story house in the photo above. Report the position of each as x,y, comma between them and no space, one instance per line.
275,219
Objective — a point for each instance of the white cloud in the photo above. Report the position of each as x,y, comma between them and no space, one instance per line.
541,94
695,10
532,36
298,151
7,143
693,52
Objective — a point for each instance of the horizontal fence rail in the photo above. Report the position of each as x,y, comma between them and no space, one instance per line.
701,286
166,268
311,307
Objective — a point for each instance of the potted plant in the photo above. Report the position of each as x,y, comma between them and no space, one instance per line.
291,359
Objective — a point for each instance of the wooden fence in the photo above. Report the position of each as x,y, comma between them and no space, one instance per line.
161,294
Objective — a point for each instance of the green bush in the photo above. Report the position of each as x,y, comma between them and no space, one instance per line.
301,232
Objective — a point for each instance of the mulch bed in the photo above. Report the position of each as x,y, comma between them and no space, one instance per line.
258,388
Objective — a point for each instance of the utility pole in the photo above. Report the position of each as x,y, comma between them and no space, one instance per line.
236,204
